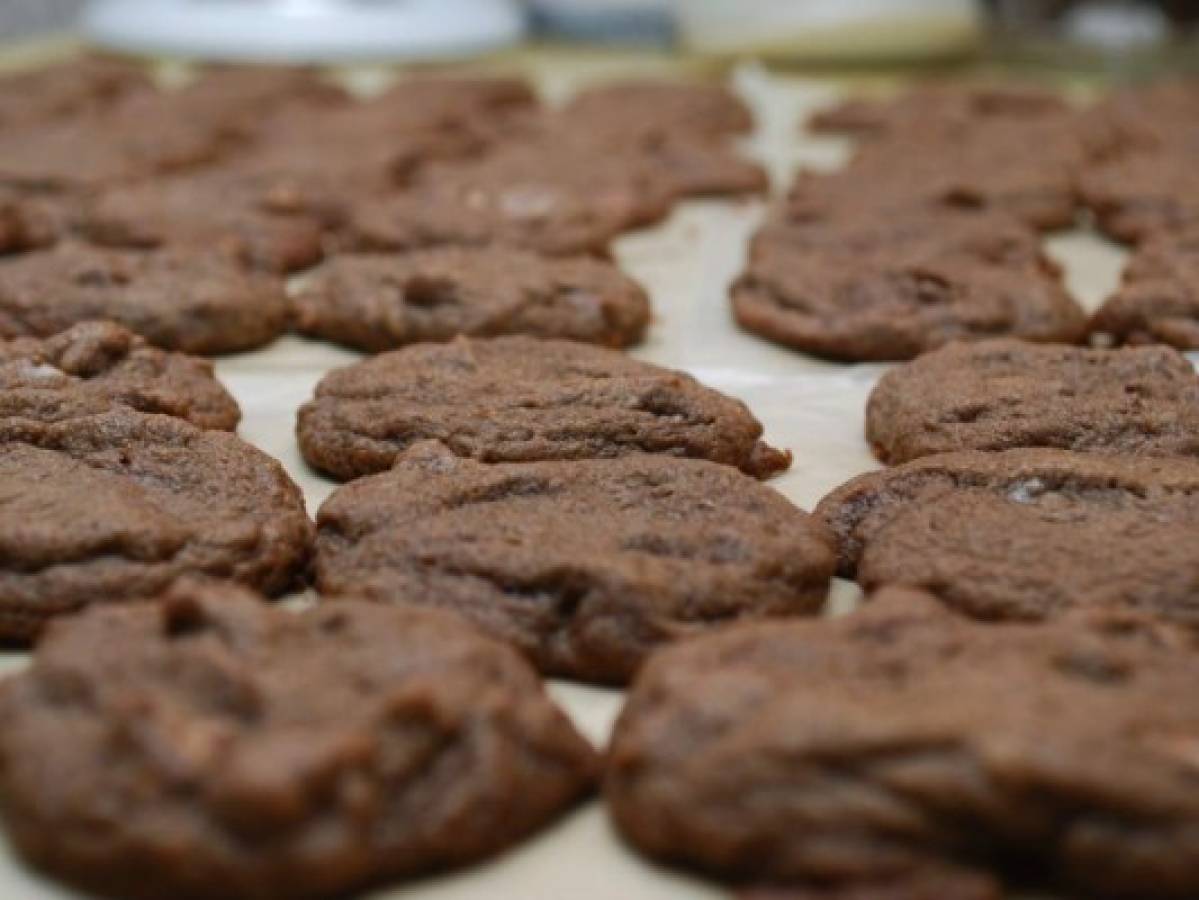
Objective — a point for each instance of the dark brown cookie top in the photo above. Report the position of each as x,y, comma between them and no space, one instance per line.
80,85
856,749
192,300
1001,394
522,399
213,211
386,301
947,103
1158,301
279,754
1027,534
100,504
669,107
1139,195
552,197
586,566
858,290
109,361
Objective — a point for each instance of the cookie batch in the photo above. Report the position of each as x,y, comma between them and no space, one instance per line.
231,695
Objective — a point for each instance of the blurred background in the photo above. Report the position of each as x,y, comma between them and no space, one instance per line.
1108,33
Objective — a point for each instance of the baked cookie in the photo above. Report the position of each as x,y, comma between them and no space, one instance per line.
1002,394
1142,194
215,210
121,146
106,360
1027,171
948,103
935,882
872,747
522,399
672,107
210,746
381,302
864,290
81,85
99,503
180,299
1027,534
1158,301
557,199
586,566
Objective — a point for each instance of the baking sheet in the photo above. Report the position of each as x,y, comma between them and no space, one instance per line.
811,407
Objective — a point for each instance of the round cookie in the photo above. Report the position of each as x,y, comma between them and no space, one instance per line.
875,746
1158,301
227,210
210,746
1027,534
687,108
192,300
99,503
544,194
856,288
585,566
106,360
521,399
385,301
1002,394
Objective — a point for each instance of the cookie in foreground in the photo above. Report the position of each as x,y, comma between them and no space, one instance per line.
210,746
100,503
871,748
586,566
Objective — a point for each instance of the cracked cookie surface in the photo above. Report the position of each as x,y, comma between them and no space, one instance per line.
106,360
99,504
585,566
210,746
1003,394
521,399
1027,534
871,747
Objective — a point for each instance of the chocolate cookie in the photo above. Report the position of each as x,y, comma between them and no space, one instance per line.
106,360
864,290
1139,195
875,746
1027,171
942,104
1027,534
1002,394
935,882
1159,299
80,85
99,503
189,300
144,135
541,195
521,399
209,746
585,566
635,106
216,210
381,302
